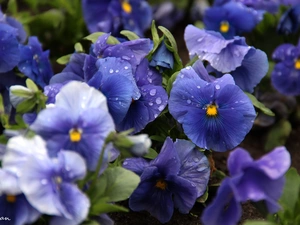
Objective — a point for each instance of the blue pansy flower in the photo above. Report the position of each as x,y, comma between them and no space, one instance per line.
175,178
231,19
9,45
285,76
290,21
254,180
79,121
115,15
34,63
215,115
246,64
14,207
48,183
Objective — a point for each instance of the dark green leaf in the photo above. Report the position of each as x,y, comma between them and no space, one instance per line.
170,37
259,223
260,105
129,34
26,106
52,18
203,198
90,222
12,7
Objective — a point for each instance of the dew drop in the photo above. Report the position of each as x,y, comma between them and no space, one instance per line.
158,100
217,86
200,39
126,67
150,103
125,163
117,71
188,68
196,159
198,87
125,57
152,92
188,101
111,71
155,115
161,108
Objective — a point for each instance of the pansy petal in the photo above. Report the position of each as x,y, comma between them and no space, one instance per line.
238,160
136,165
9,183
275,164
167,160
75,64
63,77
152,76
254,67
224,208
185,193
282,51
194,165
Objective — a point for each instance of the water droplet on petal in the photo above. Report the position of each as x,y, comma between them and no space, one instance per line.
111,71
158,100
196,159
188,68
200,39
125,57
152,92
161,107
150,103
155,115
198,87
126,67
217,86
125,163
188,101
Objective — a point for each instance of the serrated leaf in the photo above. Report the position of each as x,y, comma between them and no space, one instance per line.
129,34
31,85
94,36
259,105
78,47
64,59
152,154
278,134
102,207
171,81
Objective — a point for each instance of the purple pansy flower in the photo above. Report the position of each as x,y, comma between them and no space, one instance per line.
285,76
176,178
215,115
34,63
13,204
255,180
79,121
246,64
115,15
231,19
9,45
21,33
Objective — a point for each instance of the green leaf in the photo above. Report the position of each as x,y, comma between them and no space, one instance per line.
203,198
94,36
102,207
129,34
259,105
31,85
78,47
21,92
52,18
64,59
199,24
1,105
90,222
171,81
152,154
278,134
291,190
157,138
12,7
258,223
170,37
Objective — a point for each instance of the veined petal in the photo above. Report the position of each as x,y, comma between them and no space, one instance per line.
136,165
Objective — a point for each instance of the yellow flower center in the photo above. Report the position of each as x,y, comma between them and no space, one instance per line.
211,110
297,64
75,135
161,184
126,7
10,198
224,26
